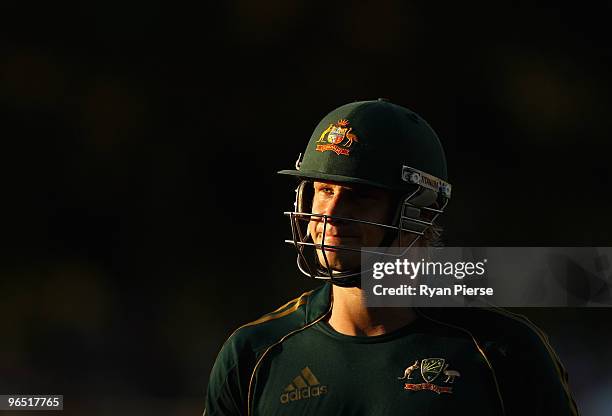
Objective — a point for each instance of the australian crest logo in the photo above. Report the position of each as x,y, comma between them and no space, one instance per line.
337,138
430,369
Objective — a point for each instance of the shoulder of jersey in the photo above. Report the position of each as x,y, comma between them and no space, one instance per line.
260,334
519,342
488,323
513,334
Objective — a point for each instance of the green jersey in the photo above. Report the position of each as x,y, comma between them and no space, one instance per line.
291,362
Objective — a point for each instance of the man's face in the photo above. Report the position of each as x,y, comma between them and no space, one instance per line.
354,202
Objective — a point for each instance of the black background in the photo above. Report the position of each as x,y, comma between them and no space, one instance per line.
142,216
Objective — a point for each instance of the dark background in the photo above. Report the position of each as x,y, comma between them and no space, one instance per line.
141,213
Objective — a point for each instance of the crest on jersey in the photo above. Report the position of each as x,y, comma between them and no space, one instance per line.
430,369
337,137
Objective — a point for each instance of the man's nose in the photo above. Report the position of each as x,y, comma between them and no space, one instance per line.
338,206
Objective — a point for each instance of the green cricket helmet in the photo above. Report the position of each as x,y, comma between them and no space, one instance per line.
378,144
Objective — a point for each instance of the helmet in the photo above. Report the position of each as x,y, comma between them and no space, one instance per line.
378,144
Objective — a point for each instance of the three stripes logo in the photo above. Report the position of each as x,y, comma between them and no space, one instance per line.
304,386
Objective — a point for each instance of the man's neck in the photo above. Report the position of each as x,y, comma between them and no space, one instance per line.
350,316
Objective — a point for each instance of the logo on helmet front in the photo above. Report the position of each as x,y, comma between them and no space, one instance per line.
337,138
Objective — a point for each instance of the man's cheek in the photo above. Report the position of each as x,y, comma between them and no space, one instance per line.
316,207
312,229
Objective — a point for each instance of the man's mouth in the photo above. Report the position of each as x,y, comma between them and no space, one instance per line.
336,240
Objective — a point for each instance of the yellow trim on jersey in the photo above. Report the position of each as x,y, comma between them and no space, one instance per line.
294,305
250,403
557,362
480,351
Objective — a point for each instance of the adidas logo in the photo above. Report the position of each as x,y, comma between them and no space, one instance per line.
303,386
